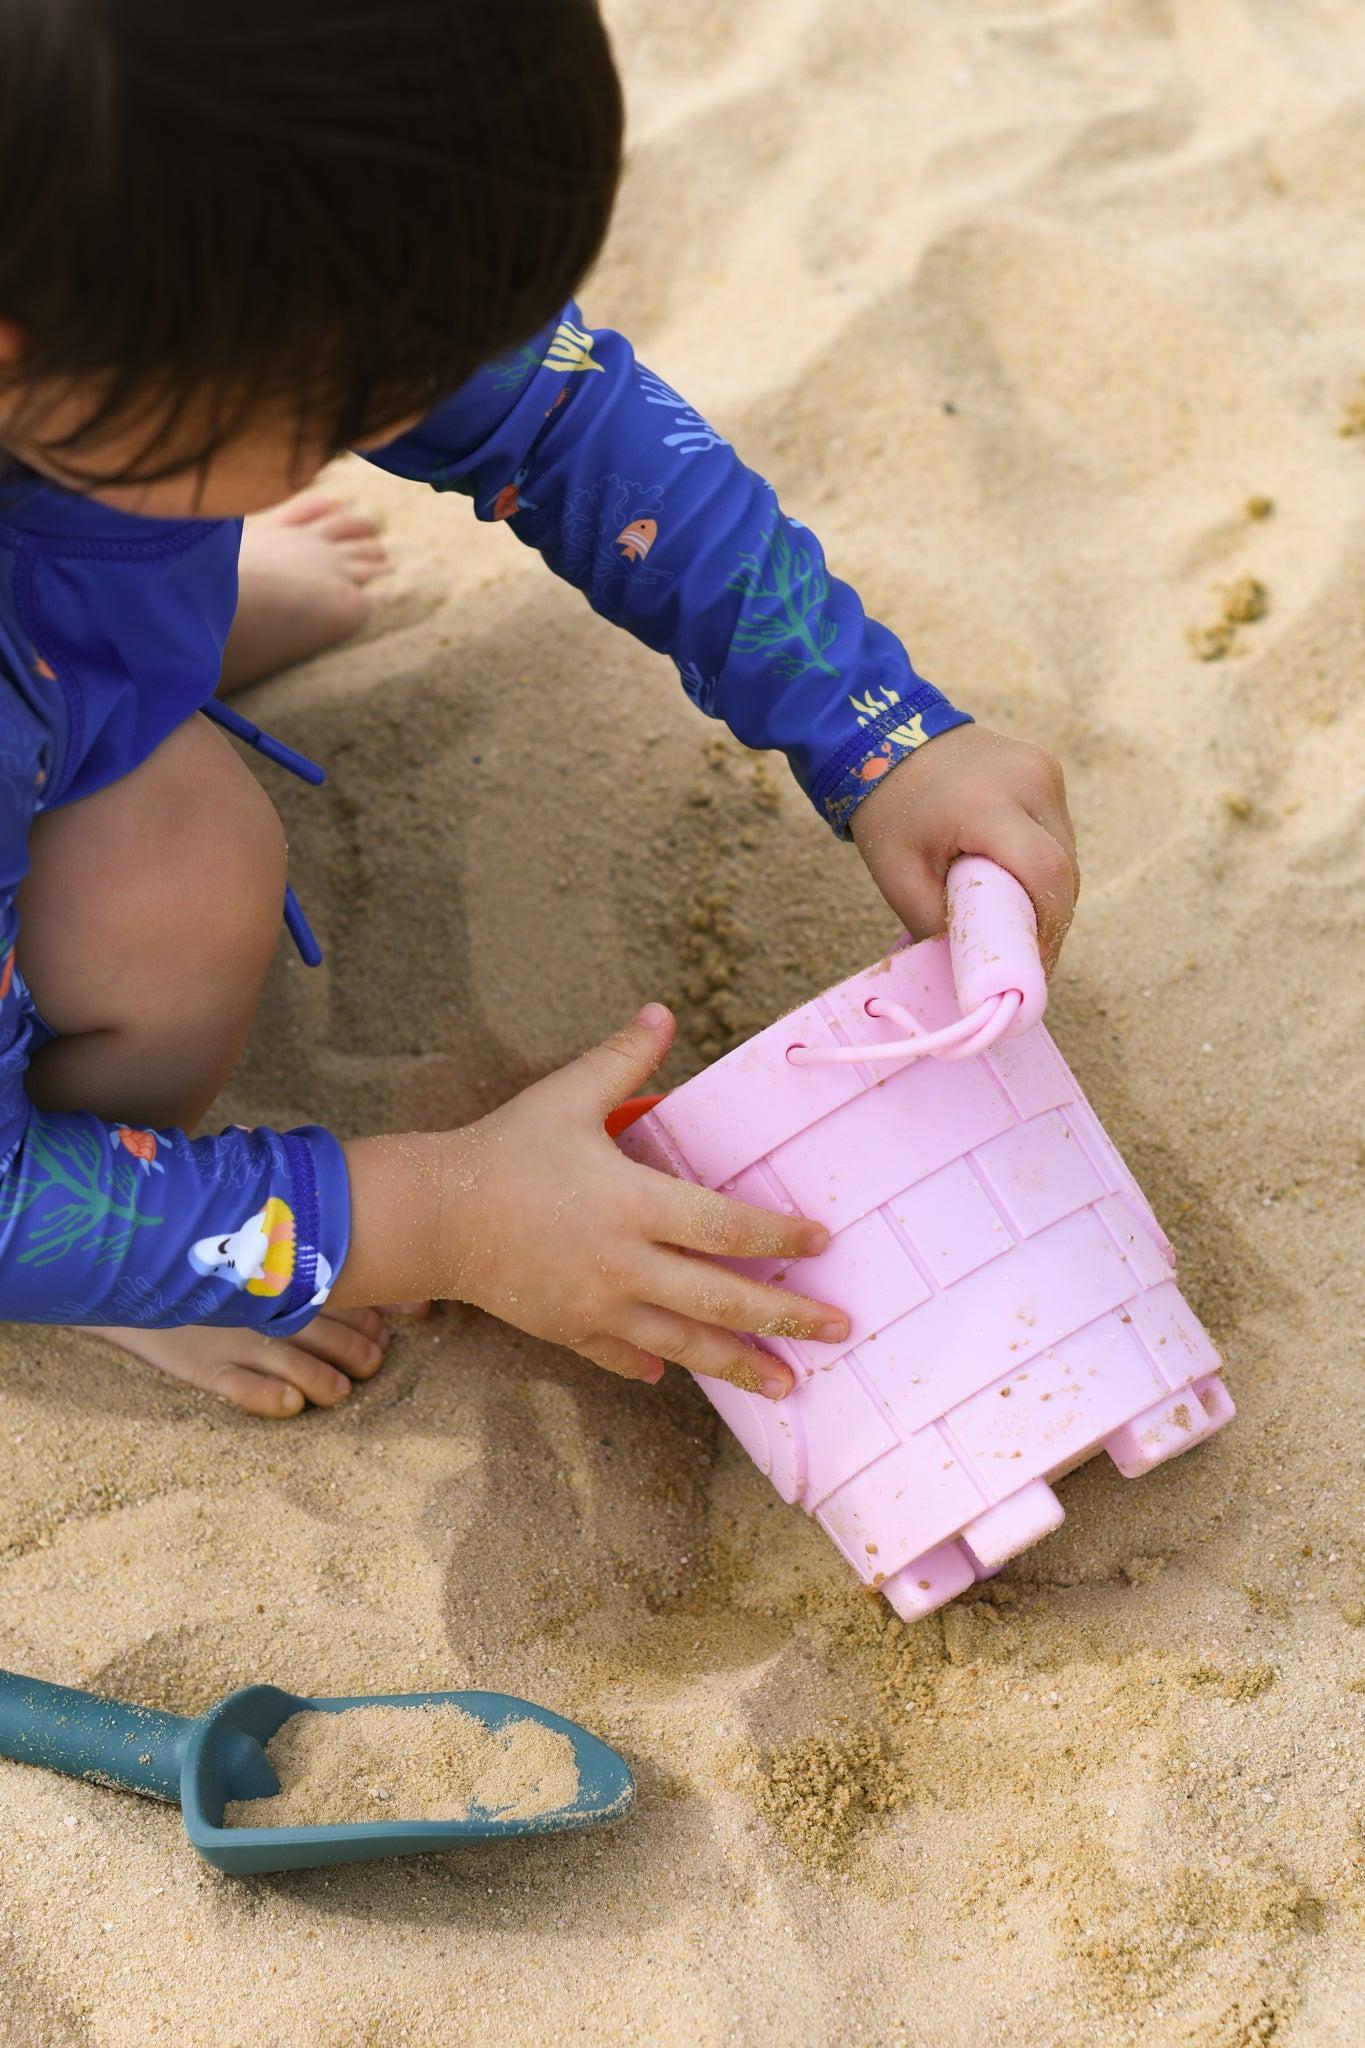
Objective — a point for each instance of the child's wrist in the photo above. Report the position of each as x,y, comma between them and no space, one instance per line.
405,1190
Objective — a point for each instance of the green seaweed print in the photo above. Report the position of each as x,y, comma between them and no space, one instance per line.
790,582
101,1216
505,373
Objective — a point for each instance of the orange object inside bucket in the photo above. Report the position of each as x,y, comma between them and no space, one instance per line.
629,1113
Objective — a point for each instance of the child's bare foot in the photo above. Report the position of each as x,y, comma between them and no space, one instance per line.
271,1376
308,576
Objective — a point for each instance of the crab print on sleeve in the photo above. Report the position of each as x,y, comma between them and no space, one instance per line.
633,496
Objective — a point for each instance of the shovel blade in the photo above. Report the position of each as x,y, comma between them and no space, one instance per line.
225,1760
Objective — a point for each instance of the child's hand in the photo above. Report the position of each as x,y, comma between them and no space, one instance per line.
534,1215
560,1233
971,791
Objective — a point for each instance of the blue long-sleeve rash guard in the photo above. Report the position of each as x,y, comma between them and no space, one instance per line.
111,635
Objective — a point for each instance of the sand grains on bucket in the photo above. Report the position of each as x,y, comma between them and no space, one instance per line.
433,1762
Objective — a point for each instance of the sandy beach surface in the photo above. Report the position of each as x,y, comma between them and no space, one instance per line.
1050,318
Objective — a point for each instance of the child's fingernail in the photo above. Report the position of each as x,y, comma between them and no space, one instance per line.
341,1386
291,1400
776,1385
409,1308
817,1242
832,1333
375,1354
652,1016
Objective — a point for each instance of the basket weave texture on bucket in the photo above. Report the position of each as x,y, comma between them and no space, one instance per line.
1012,1300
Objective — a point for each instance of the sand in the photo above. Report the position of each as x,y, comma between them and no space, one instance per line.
1019,304
409,1763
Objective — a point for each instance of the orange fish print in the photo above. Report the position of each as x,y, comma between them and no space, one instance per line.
40,668
636,540
7,974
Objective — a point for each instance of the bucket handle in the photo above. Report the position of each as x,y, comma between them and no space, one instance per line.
961,1041
997,974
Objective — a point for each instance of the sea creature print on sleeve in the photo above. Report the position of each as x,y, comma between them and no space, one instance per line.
906,737
691,435
633,496
261,1255
571,350
637,538
509,500
607,533
63,1198
139,1145
785,591
509,372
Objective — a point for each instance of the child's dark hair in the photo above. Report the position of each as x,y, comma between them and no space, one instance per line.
340,206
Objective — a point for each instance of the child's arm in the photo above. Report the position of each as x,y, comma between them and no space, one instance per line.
102,1223
631,496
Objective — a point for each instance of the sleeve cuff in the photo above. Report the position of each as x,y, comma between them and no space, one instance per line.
875,748
322,1224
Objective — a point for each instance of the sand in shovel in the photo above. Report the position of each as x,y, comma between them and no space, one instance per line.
409,1763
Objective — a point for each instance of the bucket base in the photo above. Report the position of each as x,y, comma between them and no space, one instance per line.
1174,1425
930,1581
1009,1527
1013,1525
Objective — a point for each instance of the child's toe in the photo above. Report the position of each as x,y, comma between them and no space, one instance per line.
364,560
258,1393
332,1341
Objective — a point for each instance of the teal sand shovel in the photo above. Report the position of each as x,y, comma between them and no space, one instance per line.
202,1764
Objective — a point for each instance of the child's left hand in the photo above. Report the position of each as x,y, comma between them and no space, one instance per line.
971,791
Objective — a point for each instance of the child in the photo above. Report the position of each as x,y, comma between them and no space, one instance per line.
234,239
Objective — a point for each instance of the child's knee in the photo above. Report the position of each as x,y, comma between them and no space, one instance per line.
163,891
215,898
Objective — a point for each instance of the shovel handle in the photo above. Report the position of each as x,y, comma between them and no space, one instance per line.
135,1749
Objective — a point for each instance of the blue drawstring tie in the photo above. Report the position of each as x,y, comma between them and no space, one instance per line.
297,925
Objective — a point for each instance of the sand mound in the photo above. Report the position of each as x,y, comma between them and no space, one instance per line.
1020,304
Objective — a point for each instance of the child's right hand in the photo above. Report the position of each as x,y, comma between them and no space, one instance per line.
541,1220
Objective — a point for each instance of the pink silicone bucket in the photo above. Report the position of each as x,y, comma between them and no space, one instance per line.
1011,1295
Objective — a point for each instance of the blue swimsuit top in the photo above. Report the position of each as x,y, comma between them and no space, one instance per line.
111,635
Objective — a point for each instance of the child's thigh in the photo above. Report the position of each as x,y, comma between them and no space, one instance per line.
160,893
